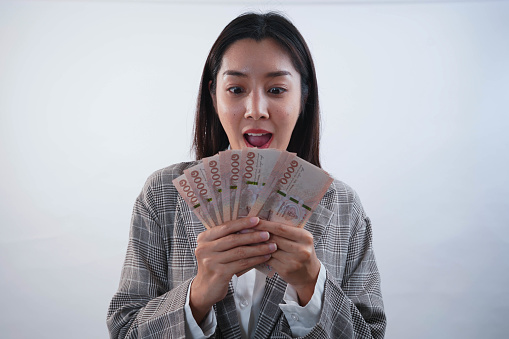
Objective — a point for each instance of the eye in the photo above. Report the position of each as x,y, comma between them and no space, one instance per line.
277,90
235,90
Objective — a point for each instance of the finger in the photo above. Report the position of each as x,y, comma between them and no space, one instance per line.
285,231
243,271
236,240
278,265
277,228
290,260
225,264
286,245
247,264
241,265
245,252
230,227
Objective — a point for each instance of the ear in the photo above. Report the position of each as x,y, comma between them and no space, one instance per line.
212,95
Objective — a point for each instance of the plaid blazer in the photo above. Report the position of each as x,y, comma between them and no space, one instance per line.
160,265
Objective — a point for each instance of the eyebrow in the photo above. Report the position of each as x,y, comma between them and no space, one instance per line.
268,75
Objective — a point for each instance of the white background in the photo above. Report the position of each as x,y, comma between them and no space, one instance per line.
96,95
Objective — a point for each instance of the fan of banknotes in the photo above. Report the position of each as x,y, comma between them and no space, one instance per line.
269,183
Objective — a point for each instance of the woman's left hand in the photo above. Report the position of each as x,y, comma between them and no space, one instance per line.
295,259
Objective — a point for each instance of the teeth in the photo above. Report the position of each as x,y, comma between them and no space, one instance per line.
256,134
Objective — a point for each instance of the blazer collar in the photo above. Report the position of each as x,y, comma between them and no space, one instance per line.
192,224
226,315
275,287
318,222
270,312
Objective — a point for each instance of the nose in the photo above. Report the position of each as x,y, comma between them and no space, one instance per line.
256,106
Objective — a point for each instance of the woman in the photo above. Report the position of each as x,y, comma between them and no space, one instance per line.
258,89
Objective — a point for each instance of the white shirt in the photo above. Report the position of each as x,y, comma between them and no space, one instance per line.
248,294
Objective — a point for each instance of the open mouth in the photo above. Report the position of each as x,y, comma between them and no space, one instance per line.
259,140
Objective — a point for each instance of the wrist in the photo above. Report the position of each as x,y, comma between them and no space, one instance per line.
199,307
304,293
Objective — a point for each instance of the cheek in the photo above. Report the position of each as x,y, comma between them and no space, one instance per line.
228,109
230,117
292,114
291,121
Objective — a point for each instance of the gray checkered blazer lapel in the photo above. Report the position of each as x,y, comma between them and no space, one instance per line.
275,287
318,222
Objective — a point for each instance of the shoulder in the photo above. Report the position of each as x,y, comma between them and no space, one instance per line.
165,176
159,185
159,195
343,200
340,193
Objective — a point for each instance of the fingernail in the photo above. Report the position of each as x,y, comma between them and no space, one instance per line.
264,235
253,220
272,247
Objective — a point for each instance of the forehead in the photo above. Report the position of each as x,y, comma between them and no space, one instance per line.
251,56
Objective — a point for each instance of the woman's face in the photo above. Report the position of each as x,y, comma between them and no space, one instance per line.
258,95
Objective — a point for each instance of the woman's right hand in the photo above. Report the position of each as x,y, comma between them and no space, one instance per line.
221,252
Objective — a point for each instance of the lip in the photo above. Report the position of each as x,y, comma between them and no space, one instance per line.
258,131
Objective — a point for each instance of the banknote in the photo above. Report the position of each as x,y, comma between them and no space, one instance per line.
257,166
198,180
298,188
184,188
212,171
270,183
229,165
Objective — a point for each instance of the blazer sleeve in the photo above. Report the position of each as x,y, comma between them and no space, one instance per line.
352,303
146,304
